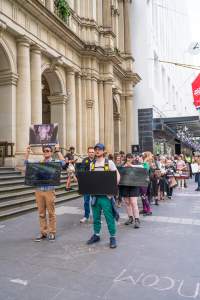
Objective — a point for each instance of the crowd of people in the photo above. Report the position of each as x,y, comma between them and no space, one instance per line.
164,173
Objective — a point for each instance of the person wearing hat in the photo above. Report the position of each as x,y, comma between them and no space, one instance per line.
103,202
45,197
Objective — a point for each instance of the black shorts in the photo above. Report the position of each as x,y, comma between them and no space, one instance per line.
129,191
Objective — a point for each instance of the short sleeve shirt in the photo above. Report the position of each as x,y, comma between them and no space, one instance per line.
99,166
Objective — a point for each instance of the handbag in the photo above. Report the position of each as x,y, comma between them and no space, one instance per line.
195,168
172,182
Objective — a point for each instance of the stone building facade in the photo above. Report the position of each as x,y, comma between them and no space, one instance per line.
78,73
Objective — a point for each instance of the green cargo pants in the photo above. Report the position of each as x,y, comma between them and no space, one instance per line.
103,203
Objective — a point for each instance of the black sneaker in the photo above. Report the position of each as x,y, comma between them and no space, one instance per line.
40,238
129,221
137,223
94,239
51,237
113,243
149,213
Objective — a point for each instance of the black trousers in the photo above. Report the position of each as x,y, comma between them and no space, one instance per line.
169,190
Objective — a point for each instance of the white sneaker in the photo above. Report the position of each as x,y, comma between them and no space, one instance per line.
83,220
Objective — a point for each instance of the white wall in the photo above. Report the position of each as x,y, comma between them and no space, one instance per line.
160,31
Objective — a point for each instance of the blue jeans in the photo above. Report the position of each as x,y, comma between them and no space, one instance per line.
87,206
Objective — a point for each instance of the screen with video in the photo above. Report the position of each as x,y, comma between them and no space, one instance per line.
43,174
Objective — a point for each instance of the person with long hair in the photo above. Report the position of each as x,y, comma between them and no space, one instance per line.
146,161
130,195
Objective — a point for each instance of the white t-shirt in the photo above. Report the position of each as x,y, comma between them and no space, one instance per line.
99,165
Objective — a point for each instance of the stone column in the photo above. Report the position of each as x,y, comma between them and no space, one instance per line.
123,122
89,106
117,132
58,115
96,110
108,116
90,137
79,114
101,112
85,143
71,110
23,106
129,122
127,32
50,5
107,18
121,26
36,86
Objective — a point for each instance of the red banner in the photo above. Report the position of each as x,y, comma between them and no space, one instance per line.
196,91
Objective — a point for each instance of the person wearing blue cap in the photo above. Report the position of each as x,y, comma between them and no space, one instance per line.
103,202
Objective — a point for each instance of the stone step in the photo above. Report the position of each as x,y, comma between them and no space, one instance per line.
7,173
18,188
19,202
9,180
18,176
5,214
2,169
10,177
17,182
24,193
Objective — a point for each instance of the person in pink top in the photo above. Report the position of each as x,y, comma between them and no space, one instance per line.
180,168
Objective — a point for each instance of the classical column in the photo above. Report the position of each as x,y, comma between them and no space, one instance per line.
117,132
99,13
121,26
123,122
127,32
23,106
101,112
85,143
79,114
36,86
96,110
71,110
89,105
90,136
108,116
129,122
107,18
58,115
50,5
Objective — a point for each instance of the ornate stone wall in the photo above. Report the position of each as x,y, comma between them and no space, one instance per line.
86,63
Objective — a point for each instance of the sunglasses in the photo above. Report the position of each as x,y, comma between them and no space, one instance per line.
46,151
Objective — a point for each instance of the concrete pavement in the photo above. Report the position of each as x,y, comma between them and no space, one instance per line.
159,261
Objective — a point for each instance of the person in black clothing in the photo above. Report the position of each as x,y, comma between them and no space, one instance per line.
171,181
69,166
86,167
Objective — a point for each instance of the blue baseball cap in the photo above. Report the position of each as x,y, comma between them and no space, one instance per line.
100,146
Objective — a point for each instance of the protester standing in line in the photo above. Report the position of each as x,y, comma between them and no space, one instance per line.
170,177
86,167
45,197
145,161
180,168
70,161
118,163
103,202
130,195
